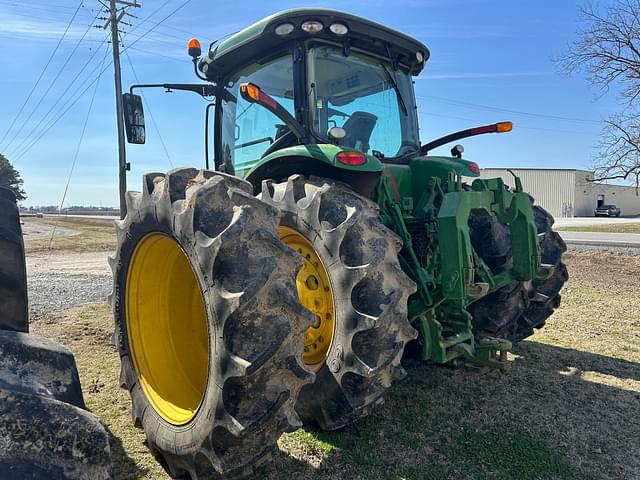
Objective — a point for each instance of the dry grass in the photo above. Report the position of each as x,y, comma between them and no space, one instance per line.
607,228
568,409
96,235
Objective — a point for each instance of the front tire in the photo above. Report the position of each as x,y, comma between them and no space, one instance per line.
208,323
369,294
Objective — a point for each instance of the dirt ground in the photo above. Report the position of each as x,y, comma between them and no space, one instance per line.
567,409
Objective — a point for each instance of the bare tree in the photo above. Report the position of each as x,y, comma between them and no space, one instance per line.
619,153
608,52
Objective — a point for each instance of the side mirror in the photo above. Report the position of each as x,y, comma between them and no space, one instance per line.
133,118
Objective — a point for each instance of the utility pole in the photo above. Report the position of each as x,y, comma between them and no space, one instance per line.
123,166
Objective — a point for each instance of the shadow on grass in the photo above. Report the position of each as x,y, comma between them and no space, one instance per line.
123,466
558,414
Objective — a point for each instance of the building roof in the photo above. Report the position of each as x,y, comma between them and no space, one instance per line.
538,169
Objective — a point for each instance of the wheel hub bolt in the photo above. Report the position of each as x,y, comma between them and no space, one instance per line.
312,282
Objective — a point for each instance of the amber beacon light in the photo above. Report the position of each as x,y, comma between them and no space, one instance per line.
194,48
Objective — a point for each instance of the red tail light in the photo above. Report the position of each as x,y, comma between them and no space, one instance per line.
352,158
474,168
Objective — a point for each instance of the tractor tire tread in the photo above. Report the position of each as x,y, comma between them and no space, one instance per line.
371,291
14,313
230,238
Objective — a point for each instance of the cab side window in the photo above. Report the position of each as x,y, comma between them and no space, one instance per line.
248,130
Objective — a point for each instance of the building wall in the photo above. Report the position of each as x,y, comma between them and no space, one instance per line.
585,196
554,190
622,196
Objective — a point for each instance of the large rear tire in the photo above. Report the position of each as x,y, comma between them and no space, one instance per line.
515,310
45,433
361,327
208,323
14,314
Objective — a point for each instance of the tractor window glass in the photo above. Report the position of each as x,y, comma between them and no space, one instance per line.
373,103
249,130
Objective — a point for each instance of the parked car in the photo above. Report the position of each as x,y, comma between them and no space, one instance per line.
607,211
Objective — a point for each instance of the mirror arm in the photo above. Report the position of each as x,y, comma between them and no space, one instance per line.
195,69
204,90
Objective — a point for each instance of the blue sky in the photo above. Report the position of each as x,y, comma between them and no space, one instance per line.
490,61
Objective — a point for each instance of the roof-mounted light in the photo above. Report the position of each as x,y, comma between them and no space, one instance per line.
284,29
312,26
193,47
419,56
339,28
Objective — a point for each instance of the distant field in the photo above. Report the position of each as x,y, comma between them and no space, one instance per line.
94,235
568,409
608,228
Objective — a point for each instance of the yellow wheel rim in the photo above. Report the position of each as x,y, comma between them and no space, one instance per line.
167,328
316,294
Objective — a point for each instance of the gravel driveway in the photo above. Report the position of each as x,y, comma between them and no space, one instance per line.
58,281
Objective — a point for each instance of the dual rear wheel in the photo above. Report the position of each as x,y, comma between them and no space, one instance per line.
239,318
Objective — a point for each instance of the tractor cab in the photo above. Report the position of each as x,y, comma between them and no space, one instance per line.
316,92
338,81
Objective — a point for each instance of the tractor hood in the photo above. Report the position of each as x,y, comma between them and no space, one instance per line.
261,38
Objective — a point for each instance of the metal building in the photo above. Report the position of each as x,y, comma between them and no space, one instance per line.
569,192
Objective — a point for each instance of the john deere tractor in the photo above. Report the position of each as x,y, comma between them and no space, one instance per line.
280,285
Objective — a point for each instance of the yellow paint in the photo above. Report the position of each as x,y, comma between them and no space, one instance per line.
316,294
167,327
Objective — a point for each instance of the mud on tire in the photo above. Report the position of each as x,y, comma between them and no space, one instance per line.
13,275
255,323
370,289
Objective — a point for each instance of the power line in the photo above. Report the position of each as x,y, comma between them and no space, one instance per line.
76,77
41,73
15,3
156,54
146,19
48,19
77,98
147,106
506,110
173,12
75,155
62,113
55,80
516,127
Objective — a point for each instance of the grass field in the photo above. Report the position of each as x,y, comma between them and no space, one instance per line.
608,228
94,235
568,409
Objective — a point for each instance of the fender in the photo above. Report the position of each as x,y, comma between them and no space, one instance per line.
316,159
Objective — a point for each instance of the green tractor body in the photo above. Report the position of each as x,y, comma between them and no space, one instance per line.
410,193
313,101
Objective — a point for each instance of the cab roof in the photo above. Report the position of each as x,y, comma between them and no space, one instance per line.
259,39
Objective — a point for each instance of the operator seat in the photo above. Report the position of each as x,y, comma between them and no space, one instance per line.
359,127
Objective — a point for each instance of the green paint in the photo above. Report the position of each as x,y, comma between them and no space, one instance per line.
296,16
427,204
326,153
427,196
